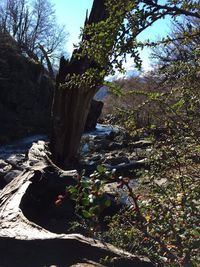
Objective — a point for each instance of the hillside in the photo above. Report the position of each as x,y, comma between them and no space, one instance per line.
25,93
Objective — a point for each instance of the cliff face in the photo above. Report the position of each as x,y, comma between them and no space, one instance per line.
26,93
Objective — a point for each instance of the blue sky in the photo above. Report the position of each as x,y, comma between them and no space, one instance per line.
72,14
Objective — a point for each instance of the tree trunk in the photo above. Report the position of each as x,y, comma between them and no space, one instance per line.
71,105
70,112
49,65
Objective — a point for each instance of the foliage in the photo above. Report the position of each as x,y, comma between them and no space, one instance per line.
168,95
88,194
162,220
110,33
109,41
138,107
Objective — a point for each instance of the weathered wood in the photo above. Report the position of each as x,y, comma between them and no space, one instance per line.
71,105
24,243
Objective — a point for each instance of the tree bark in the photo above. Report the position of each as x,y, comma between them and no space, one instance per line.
49,65
71,105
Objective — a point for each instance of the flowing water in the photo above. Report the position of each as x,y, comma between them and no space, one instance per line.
20,147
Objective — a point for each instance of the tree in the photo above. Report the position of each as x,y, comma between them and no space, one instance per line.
34,27
184,40
178,67
109,34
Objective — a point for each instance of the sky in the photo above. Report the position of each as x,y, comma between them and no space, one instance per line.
72,14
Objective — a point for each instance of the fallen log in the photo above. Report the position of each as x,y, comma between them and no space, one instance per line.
24,243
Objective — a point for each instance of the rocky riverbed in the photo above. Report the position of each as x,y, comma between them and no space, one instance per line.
13,158
108,145
114,148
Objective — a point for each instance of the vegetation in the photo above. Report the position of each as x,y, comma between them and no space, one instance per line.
162,218
33,25
108,36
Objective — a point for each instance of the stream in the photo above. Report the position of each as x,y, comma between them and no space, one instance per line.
17,149
107,145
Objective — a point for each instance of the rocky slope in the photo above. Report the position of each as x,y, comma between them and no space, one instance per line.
25,93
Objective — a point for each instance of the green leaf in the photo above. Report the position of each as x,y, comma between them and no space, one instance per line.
105,201
101,34
72,190
87,214
100,169
94,210
85,201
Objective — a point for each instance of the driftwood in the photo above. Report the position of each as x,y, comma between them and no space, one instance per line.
25,243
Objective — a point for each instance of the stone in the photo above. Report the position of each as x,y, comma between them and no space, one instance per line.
95,158
125,168
93,115
2,164
116,160
115,146
102,144
87,265
140,144
11,175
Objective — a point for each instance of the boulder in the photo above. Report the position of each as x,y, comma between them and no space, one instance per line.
94,114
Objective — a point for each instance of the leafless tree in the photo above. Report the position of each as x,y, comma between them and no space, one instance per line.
184,39
33,25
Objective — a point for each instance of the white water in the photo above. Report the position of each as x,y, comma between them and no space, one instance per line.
101,130
20,146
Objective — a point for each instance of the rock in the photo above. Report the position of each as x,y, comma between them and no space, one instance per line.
116,160
101,144
115,146
124,169
26,93
96,158
122,154
2,164
5,169
120,134
91,264
11,175
94,114
140,144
